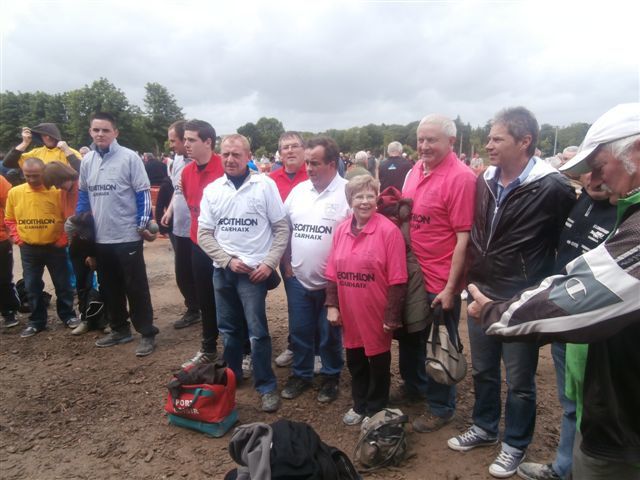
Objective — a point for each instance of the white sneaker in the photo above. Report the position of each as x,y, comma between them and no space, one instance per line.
285,358
506,464
352,418
317,364
247,367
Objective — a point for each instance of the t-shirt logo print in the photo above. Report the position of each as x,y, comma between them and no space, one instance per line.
330,210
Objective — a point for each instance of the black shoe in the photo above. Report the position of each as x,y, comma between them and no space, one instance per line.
295,387
114,338
328,390
188,319
10,320
146,346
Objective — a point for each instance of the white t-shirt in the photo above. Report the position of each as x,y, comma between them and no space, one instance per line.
241,219
313,218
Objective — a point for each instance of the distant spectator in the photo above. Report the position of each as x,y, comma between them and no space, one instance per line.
394,169
477,164
156,170
359,166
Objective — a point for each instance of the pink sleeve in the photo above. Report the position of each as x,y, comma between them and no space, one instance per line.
396,257
461,202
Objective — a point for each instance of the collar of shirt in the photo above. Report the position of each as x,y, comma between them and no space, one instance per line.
502,192
330,188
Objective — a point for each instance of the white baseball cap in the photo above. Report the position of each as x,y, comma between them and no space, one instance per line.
621,121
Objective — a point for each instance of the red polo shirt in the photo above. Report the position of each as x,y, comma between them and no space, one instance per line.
194,180
286,184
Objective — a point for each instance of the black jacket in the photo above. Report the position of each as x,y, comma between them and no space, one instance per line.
514,246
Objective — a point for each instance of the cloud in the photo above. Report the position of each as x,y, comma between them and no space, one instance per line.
320,65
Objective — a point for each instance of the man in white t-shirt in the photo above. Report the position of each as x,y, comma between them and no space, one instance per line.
243,228
314,209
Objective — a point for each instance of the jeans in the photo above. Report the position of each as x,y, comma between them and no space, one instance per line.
308,316
520,361
441,399
237,298
562,464
34,259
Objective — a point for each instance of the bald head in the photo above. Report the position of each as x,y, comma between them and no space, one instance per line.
32,169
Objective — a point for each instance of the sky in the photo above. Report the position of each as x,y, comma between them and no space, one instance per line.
316,65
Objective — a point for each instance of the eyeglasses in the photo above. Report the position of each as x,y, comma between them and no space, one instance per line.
293,146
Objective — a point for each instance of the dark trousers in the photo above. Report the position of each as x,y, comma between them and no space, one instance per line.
370,380
184,271
34,259
441,399
9,301
203,276
123,277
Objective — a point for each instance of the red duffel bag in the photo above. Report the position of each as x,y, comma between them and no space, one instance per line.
205,402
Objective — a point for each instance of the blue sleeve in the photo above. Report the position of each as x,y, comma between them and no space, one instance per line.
143,203
83,202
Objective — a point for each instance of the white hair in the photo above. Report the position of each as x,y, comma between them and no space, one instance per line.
394,149
362,158
621,149
571,149
445,123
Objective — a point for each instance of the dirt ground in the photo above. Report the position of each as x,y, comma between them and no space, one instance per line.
69,410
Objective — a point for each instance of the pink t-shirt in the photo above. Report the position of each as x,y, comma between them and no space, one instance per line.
364,266
443,204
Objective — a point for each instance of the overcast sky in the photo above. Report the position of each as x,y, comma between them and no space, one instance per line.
320,65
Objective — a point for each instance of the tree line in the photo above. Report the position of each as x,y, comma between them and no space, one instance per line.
144,129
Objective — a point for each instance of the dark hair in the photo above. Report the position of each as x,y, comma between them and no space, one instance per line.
105,116
520,122
178,127
204,129
291,134
331,150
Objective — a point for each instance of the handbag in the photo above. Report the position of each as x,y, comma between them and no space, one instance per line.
445,361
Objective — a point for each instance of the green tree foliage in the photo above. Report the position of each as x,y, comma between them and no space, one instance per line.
263,134
161,110
71,112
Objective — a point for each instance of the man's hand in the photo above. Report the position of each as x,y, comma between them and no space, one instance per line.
27,137
62,145
91,263
288,270
166,218
238,266
334,317
479,300
260,273
445,299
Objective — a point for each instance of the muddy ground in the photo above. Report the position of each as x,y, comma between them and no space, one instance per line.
69,410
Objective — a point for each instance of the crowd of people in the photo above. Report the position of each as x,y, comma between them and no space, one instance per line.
368,252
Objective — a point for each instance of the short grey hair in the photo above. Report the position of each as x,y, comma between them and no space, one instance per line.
445,123
621,148
360,183
362,158
394,149
571,149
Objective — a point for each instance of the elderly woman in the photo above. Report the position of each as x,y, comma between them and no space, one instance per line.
367,273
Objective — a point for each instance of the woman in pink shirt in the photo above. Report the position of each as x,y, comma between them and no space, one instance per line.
367,275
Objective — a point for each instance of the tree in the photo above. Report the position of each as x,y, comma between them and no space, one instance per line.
269,131
250,131
161,110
